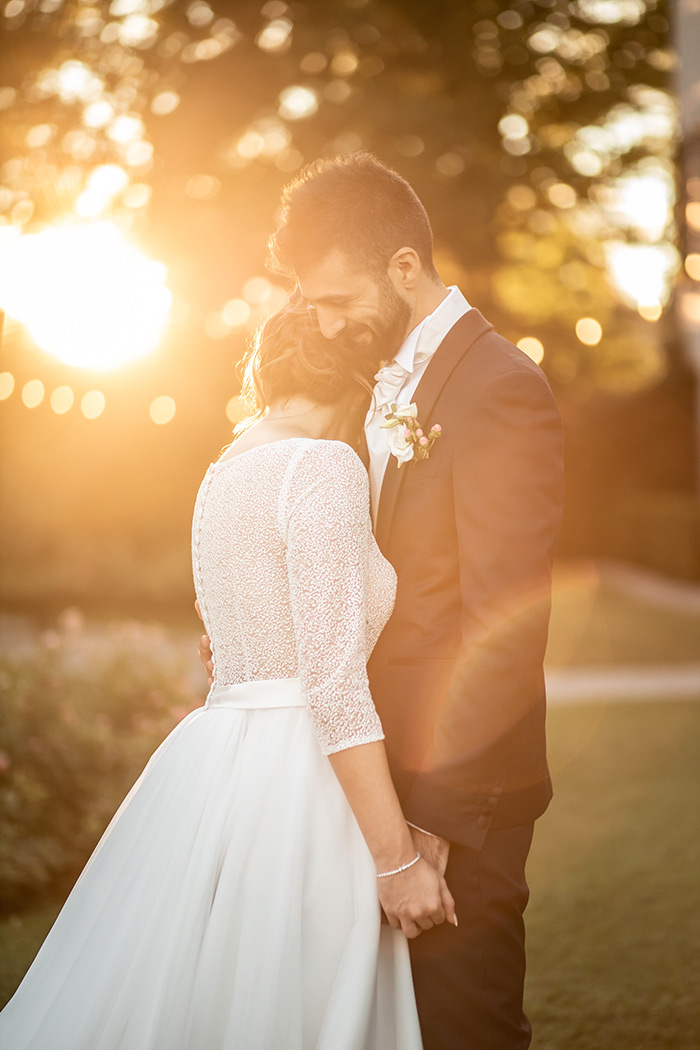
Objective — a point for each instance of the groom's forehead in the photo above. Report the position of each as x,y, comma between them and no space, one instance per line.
334,277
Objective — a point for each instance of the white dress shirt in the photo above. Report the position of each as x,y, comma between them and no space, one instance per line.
414,356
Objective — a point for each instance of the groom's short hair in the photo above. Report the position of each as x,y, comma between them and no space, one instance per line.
353,204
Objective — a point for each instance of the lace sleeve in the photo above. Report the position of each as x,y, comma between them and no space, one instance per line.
326,527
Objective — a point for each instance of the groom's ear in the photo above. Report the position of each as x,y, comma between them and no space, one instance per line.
404,269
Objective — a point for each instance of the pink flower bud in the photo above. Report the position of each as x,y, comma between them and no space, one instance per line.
419,433
437,429
423,441
407,433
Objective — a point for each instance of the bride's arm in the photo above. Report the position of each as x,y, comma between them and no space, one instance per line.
326,528
414,899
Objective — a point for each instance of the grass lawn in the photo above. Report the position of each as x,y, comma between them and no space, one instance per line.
614,919
614,923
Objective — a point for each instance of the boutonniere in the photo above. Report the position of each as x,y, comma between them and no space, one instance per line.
406,435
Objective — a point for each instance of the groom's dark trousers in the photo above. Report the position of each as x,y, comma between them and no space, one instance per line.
457,674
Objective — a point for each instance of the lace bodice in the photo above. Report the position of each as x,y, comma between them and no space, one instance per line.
290,581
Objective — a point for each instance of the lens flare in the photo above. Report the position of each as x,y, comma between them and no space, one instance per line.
85,293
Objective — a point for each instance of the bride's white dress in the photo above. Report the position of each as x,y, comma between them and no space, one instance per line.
232,902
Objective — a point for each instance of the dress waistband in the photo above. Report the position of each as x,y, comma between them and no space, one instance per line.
262,694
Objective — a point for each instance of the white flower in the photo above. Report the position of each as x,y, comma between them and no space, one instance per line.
399,437
400,444
404,411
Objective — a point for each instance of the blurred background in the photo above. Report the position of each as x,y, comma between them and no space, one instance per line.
144,146
556,146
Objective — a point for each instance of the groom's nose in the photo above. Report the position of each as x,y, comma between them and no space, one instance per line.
330,321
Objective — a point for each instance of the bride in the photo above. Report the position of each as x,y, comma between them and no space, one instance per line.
234,901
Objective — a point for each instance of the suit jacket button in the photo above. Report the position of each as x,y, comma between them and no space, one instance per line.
493,802
482,821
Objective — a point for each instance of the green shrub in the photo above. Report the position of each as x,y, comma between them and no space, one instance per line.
81,711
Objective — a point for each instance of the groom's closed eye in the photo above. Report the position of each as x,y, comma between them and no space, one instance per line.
331,300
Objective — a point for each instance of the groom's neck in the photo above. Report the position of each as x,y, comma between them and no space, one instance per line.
429,295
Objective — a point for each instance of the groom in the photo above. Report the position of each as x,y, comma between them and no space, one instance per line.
457,674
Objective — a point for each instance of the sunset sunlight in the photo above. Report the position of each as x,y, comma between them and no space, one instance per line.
86,294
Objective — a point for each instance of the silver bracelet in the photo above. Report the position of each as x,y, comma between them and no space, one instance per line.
396,871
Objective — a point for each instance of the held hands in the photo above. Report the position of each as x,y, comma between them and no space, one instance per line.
416,899
435,849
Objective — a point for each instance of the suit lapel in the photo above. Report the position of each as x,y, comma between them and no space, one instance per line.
458,341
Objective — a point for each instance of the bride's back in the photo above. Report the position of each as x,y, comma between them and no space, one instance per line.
239,564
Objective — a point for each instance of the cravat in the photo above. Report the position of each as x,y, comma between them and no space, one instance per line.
389,381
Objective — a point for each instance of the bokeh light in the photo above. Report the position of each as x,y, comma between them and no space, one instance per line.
7,385
450,164
344,63
531,346
642,202
690,307
103,184
561,195
125,128
236,410
86,294
92,404
61,400
650,311
275,36
235,313
202,187
162,409
589,331
692,266
297,103
98,114
137,30
137,195
257,290
165,102
642,272
33,393
314,62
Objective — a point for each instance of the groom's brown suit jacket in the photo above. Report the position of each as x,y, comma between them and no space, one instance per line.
457,674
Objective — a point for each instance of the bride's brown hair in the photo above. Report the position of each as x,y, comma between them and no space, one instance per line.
289,357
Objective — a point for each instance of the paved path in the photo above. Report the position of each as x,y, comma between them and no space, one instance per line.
678,681
651,587
637,682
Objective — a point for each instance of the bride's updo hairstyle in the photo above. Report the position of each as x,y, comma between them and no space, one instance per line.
289,357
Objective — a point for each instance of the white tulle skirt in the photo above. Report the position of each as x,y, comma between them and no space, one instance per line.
230,905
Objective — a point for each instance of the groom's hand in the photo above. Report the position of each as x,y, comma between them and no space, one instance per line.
204,649
416,899
435,849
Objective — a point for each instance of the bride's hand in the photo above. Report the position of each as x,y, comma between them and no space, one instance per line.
416,899
204,649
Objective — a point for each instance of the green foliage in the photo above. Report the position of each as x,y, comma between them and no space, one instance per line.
80,717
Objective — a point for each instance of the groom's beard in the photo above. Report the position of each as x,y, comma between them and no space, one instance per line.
383,340
394,318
